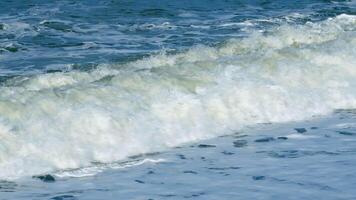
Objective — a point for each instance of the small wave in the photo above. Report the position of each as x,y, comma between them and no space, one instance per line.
98,168
147,27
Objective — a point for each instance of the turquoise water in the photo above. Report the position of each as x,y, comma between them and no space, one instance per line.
173,100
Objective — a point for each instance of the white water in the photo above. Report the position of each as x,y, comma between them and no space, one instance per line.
69,120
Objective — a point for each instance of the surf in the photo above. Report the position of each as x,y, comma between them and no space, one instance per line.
67,120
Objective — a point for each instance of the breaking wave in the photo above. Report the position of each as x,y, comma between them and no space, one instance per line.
67,120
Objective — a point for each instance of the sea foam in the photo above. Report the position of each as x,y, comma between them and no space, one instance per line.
60,121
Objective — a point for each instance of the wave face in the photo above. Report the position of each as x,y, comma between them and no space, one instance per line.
59,121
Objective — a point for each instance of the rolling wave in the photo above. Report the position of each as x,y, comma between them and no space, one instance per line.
68,120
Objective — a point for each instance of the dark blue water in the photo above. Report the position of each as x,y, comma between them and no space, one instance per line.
36,36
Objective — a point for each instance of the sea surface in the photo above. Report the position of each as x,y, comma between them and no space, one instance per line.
196,99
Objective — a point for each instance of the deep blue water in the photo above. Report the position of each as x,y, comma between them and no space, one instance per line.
54,35
195,99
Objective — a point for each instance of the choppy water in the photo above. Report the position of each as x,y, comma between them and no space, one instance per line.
56,35
87,86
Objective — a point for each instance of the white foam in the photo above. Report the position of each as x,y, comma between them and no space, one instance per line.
98,168
300,136
68,120
149,26
345,125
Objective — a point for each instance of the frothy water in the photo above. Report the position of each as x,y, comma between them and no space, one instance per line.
309,159
68,120
42,36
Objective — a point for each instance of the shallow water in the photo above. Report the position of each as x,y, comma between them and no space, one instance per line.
304,160
162,99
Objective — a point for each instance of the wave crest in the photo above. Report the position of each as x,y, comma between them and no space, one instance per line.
68,120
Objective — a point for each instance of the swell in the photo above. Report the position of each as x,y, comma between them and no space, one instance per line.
68,120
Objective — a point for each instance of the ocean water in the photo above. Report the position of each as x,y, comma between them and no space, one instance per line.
173,100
